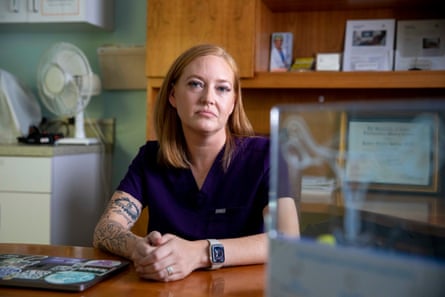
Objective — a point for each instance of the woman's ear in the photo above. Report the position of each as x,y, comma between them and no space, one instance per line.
171,97
233,104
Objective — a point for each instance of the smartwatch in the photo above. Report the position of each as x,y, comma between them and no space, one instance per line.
216,254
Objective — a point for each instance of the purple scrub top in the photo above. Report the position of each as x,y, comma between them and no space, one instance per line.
229,204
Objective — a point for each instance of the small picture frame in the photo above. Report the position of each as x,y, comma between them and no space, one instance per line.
392,152
281,51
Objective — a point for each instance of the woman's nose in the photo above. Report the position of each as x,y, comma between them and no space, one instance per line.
207,96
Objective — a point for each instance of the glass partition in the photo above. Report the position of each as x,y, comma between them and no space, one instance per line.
368,183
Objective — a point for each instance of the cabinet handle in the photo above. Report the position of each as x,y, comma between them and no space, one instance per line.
33,5
14,6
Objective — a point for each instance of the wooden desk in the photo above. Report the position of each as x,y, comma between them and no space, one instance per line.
230,281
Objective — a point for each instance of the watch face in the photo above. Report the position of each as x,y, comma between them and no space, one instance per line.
218,254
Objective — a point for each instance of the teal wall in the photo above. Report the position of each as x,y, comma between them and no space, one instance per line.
20,50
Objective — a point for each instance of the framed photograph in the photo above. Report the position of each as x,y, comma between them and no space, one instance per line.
394,152
369,45
281,51
420,45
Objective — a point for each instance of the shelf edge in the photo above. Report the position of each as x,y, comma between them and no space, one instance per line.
347,80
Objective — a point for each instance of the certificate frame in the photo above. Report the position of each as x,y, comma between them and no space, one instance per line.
396,152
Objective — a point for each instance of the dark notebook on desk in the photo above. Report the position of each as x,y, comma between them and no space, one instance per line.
55,273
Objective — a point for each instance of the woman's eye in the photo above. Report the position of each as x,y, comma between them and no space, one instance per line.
195,84
224,89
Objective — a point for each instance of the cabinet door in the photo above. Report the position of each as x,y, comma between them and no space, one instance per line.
13,11
99,13
56,11
24,217
25,174
175,25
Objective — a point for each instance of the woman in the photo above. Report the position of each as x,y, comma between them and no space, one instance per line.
205,181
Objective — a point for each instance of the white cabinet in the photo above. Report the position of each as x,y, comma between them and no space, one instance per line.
99,13
52,199
13,11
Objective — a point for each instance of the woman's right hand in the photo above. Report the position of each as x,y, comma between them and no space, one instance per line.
144,246
161,257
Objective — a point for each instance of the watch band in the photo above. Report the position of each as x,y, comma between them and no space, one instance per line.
213,246
213,241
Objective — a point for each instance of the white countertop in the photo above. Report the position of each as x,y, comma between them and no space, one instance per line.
34,150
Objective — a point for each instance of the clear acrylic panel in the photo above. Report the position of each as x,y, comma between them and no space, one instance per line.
368,182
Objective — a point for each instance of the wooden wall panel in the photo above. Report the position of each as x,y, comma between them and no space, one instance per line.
174,26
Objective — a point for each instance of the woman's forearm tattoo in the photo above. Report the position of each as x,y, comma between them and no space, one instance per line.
111,237
125,207
128,209
114,236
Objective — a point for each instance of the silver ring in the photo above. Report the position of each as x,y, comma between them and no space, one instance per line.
169,270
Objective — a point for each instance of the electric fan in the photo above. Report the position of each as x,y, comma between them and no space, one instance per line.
66,83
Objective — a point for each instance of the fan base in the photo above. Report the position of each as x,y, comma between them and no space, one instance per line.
77,141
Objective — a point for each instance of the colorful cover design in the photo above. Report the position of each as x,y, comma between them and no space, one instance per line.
59,273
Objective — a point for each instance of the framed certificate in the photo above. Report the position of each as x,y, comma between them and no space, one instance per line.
395,152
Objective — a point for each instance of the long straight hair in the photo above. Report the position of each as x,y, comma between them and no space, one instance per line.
167,124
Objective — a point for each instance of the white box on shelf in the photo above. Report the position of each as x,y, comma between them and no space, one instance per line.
328,62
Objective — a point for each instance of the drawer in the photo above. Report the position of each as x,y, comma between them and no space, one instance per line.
25,174
25,218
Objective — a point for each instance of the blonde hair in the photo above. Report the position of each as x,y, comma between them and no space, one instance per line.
167,124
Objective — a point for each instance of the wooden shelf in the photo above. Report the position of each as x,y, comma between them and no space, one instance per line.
318,27
341,80
294,5
347,80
